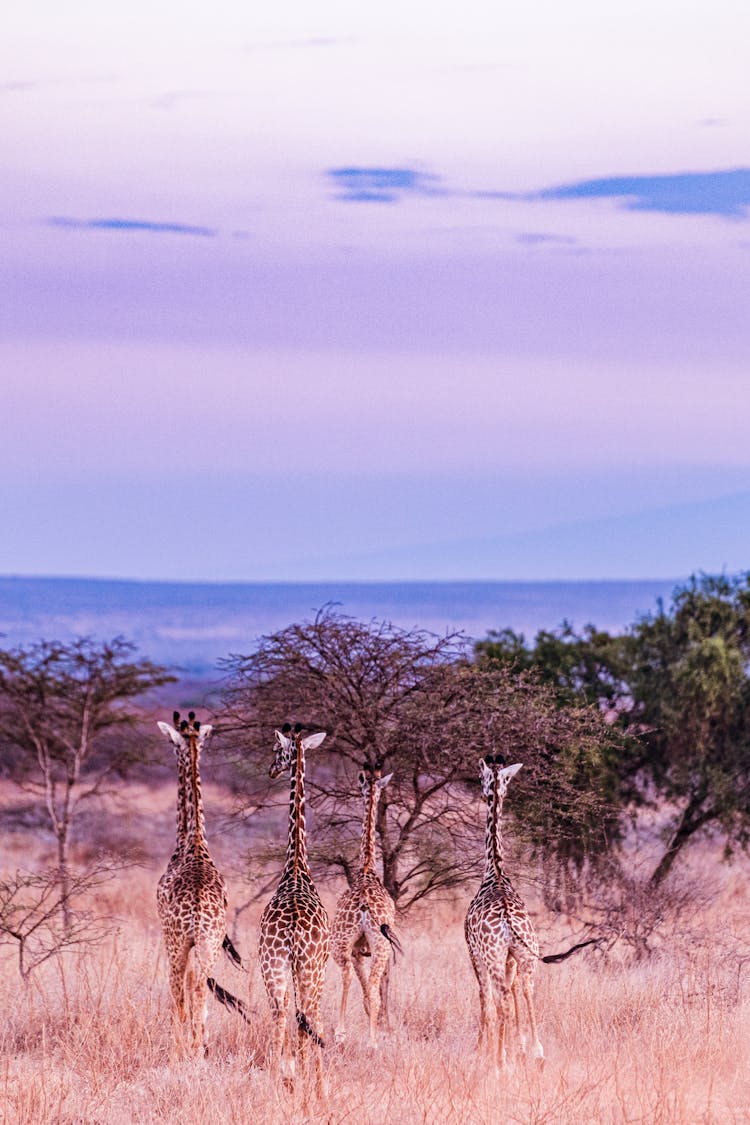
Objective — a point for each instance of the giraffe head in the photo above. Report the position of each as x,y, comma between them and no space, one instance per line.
370,780
184,730
285,747
496,775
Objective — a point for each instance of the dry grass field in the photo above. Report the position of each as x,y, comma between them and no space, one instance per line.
660,1040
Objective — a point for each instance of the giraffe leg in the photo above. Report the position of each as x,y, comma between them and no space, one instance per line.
385,990
303,1051
178,959
309,979
362,977
206,954
320,1087
527,983
193,1006
512,982
502,994
279,1002
483,981
381,953
346,980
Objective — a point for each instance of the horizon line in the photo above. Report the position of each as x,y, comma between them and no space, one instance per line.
18,577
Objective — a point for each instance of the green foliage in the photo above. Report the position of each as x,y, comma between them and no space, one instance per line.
582,668
677,685
691,700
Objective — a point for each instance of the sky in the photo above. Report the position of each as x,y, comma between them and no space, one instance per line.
395,292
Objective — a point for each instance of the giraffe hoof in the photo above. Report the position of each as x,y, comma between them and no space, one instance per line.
339,1035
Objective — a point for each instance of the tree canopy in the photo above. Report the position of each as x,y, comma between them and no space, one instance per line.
59,706
417,705
678,683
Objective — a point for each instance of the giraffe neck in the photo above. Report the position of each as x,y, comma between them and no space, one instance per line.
296,849
182,814
367,843
195,831
493,838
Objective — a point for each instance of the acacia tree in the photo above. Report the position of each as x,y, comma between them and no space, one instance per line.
414,704
60,706
39,916
691,699
678,683
590,666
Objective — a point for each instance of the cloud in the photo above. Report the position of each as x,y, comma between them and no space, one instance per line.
725,193
382,185
138,225
18,87
539,238
316,42
170,98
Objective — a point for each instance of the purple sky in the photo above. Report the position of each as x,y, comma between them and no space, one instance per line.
373,294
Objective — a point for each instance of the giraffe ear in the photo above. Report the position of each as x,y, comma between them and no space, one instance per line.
511,771
313,740
204,734
381,784
173,735
282,740
484,768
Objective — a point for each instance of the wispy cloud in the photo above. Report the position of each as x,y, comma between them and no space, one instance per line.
170,98
131,225
540,238
725,193
314,42
382,185
18,87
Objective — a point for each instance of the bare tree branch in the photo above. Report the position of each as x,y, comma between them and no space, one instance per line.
414,704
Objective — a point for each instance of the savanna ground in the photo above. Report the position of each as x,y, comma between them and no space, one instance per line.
656,1040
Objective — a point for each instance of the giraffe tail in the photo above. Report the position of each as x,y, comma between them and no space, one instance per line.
555,958
305,1025
231,952
388,933
227,999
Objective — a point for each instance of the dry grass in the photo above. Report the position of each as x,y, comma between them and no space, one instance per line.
663,1040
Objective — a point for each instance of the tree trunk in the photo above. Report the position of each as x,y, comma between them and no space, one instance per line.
64,876
690,821
390,857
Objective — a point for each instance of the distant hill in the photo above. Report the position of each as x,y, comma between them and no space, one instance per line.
712,536
192,625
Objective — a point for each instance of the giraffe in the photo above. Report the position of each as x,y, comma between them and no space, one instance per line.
499,933
294,931
191,895
363,925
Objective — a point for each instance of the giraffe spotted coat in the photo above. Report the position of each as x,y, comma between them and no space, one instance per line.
499,932
363,925
294,932
191,895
